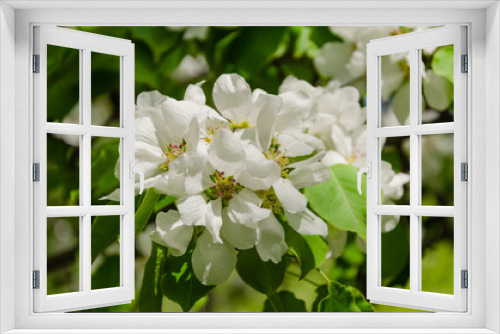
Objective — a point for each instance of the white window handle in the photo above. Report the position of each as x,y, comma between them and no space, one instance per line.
368,171
134,170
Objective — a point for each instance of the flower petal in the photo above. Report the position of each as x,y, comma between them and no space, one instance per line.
172,233
258,173
232,97
192,135
291,199
212,262
226,152
292,146
309,161
310,175
244,209
269,106
307,223
332,158
192,209
271,245
238,235
213,219
194,93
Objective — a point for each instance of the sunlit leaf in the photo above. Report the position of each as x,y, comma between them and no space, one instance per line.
438,90
145,210
442,62
338,202
342,298
301,248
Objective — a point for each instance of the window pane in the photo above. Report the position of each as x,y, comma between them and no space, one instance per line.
105,246
437,169
105,171
63,85
63,253
63,170
395,91
395,170
395,252
437,254
437,84
105,89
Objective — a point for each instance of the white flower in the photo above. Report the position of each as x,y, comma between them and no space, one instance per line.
346,61
190,68
171,232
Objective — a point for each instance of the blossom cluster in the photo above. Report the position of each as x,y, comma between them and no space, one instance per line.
236,171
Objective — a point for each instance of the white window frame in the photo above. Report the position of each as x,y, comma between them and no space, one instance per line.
123,50
413,44
16,215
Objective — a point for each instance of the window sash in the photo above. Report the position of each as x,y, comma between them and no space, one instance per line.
412,43
86,43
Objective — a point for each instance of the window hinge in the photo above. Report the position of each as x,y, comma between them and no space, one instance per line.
36,172
36,279
464,171
36,63
464,279
465,64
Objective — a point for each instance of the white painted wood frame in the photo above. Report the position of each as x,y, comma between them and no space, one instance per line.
414,43
86,43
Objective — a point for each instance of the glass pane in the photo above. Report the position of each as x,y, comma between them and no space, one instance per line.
396,252
437,84
437,254
63,170
437,169
63,249
105,171
105,246
395,170
105,90
395,89
63,85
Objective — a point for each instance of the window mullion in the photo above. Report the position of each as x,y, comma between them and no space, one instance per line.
414,172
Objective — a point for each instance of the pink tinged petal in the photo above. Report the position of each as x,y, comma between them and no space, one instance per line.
244,209
172,233
271,244
310,175
212,262
266,119
239,236
307,223
332,158
290,198
311,160
259,173
232,97
226,153
192,135
213,219
193,210
194,93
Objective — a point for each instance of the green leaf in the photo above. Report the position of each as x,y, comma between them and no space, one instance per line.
360,300
318,246
164,202
442,62
302,41
264,277
179,283
395,250
322,35
103,179
401,103
105,231
301,249
321,293
151,294
145,210
342,298
107,274
284,301
338,202
255,47
158,39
